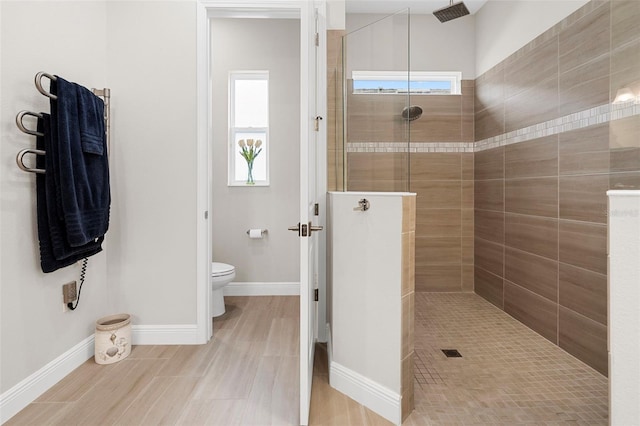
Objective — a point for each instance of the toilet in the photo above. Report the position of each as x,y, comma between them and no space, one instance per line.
221,275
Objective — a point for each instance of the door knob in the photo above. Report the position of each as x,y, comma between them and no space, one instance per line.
314,228
295,228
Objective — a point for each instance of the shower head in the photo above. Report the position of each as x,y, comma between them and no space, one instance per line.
453,11
411,113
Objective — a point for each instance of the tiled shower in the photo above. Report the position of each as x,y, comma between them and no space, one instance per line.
511,177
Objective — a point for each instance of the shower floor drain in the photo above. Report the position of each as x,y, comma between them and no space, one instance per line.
452,353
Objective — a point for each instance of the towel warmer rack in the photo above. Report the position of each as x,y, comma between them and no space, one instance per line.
105,94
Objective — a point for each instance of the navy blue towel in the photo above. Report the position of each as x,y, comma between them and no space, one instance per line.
81,167
55,251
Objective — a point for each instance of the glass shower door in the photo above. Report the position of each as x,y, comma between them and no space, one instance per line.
375,93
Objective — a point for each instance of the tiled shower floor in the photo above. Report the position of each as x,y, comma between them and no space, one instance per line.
507,375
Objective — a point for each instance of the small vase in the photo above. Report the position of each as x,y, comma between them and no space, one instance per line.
250,173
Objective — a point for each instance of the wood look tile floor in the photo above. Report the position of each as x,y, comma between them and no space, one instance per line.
248,375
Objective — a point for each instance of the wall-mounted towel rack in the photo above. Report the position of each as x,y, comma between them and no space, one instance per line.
105,94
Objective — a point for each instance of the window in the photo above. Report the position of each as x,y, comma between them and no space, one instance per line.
249,128
401,82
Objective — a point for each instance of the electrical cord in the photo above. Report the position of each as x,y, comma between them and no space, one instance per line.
83,272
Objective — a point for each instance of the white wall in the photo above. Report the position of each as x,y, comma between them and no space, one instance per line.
146,53
503,27
258,44
151,56
434,46
69,39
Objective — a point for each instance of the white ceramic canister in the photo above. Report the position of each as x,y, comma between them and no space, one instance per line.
113,338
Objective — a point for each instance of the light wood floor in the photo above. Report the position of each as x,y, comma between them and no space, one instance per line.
246,375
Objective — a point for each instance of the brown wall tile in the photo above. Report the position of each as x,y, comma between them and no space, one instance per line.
467,222
489,122
532,234
584,245
408,263
441,120
585,40
467,278
467,165
489,256
439,223
535,158
625,67
489,225
439,278
378,166
435,166
437,194
467,194
490,88
584,292
584,151
489,164
535,105
624,180
584,197
466,244
536,312
408,315
624,142
524,71
584,87
408,213
488,286
533,196
535,273
583,338
489,194
437,251
625,16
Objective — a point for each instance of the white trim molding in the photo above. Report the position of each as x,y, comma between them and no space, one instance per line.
372,395
262,289
25,392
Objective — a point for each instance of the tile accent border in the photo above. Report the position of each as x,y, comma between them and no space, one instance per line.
579,120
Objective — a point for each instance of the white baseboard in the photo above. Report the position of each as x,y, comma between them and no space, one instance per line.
175,334
372,395
262,289
25,392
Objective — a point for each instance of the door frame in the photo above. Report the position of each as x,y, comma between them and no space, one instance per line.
205,10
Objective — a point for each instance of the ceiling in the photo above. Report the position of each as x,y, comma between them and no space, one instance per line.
417,6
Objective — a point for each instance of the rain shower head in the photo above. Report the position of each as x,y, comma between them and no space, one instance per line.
453,11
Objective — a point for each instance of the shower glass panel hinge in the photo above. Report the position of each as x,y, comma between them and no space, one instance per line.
315,294
316,209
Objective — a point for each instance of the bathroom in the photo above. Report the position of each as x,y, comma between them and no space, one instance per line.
148,56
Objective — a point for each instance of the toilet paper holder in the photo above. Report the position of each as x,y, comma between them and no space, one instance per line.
263,232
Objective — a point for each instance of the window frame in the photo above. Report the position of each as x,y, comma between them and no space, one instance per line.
233,130
454,77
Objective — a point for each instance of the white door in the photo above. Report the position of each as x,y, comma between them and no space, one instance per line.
308,198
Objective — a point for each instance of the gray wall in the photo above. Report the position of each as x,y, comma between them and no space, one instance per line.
258,44
383,45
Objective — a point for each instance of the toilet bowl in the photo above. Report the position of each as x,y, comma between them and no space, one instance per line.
221,275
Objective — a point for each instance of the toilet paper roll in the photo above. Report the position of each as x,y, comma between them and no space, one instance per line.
255,233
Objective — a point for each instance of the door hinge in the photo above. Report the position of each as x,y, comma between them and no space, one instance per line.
315,295
316,209
317,123
317,39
